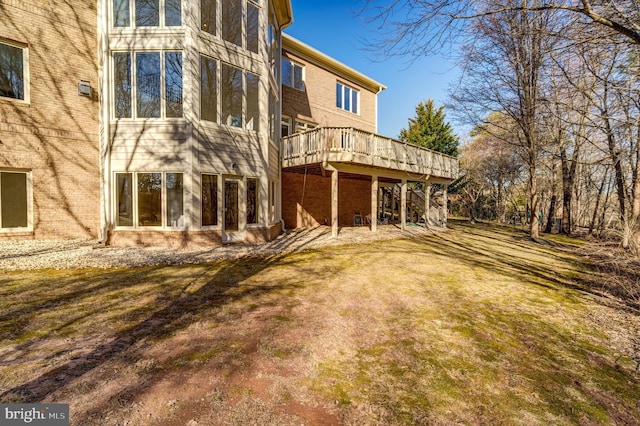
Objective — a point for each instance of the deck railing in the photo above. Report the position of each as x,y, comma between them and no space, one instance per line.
347,144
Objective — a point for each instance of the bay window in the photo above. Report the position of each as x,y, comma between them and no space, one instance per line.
237,93
147,13
149,199
236,26
157,92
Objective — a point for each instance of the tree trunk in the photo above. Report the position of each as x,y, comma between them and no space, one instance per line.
568,178
597,206
534,229
551,215
635,211
617,167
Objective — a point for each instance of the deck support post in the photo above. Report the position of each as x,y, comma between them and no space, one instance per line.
427,203
334,203
374,203
445,202
403,205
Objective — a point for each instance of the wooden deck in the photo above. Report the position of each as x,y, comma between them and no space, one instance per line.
352,146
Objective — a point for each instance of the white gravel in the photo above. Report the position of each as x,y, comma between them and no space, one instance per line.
76,254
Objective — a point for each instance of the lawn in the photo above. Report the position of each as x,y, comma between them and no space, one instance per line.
478,325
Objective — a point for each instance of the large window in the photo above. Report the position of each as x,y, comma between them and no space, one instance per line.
157,92
147,13
347,98
292,74
150,199
236,26
13,72
14,200
209,200
208,89
238,95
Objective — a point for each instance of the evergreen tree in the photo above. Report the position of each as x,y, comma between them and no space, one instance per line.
430,130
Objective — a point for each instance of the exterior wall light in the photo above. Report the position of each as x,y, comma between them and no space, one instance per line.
84,88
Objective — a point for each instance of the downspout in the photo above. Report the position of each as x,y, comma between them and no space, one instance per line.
104,135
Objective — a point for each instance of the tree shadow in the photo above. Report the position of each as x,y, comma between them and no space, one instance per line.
218,285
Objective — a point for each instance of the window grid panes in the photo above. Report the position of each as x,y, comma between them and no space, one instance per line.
158,87
292,74
149,199
347,98
239,21
12,72
147,13
14,201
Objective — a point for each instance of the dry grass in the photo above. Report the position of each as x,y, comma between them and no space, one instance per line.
476,325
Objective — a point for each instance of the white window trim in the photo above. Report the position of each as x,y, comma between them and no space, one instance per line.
219,216
351,88
132,16
29,227
25,70
134,94
219,112
304,74
257,224
134,203
244,18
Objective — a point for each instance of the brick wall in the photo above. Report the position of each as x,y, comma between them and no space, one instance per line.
318,102
309,204
55,134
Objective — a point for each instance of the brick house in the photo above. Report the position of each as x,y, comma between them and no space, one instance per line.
336,169
160,122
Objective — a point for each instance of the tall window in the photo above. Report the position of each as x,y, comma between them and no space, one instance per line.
147,13
158,84
253,27
232,21
208,89
292,74
208,16
231,96
209,200
14,200
150,199
252,201
13,71
236,26
347,98
239,100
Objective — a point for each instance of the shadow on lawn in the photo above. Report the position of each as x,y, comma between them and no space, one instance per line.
480,247
217,284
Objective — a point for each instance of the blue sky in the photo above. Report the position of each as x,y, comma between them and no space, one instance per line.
332,27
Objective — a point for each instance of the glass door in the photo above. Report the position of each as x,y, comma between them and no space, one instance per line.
231,216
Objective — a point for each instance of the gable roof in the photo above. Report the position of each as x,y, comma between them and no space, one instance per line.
305,51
